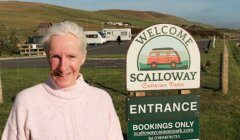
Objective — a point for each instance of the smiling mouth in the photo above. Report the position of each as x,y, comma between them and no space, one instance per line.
56,73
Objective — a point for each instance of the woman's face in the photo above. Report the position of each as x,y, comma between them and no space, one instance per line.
65,58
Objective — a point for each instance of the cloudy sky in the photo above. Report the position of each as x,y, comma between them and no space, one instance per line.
220,13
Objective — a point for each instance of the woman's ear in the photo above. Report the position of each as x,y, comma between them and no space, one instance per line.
83,58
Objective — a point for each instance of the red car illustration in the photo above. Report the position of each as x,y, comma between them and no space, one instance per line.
167,56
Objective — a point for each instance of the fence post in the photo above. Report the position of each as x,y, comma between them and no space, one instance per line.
137,94
214,41
29,50
225,69
184,91
1,95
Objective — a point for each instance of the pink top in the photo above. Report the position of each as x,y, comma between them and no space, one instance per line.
80,112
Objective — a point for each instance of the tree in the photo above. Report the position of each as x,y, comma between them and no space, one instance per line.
8,43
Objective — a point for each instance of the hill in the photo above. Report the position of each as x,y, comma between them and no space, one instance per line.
27,15
146,18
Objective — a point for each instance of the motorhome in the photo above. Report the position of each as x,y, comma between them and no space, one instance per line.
113,34
94,37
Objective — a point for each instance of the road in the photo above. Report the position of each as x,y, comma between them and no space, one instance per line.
41,62
105,49
109,48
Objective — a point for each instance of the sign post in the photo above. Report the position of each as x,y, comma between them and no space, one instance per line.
163,57
184,91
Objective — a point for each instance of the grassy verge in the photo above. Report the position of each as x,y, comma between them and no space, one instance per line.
219,116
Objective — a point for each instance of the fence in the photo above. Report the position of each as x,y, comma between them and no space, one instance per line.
31,49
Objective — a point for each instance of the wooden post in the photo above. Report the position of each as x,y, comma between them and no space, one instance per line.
225,69
1,96
214,41
184,91
137,94
29,50
131,93
38,51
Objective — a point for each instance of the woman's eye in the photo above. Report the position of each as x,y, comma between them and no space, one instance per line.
54,57
72,56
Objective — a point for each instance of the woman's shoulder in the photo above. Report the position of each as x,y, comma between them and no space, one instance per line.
29,94
98,92
30,90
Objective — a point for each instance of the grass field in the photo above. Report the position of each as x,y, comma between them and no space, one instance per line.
219,114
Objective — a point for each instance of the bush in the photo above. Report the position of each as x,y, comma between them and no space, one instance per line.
236,53
8,43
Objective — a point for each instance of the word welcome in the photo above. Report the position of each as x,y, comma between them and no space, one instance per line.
164,30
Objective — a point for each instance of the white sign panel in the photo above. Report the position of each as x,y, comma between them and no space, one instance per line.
163,56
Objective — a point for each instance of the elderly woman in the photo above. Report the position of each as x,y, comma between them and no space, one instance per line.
64,107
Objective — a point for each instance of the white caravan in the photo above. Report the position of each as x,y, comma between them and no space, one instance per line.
113,34
94,37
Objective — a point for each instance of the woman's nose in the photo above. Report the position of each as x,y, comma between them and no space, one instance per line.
63,65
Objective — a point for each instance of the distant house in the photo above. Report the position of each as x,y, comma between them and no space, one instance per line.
126,24
43,28
114,23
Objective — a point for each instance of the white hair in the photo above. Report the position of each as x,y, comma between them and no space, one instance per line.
65,27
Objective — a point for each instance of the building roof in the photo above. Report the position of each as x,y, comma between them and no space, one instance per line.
44,25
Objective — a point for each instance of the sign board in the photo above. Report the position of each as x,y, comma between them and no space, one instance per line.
163,117
162,107
161,57
164,130
34,46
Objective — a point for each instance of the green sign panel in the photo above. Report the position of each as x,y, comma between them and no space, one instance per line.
173,107
167,130
163,117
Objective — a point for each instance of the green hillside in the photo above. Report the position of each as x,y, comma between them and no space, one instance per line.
143,18
26,16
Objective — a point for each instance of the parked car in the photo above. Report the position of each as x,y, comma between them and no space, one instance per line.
167,56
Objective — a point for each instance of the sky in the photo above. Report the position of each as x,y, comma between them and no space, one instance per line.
220,13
